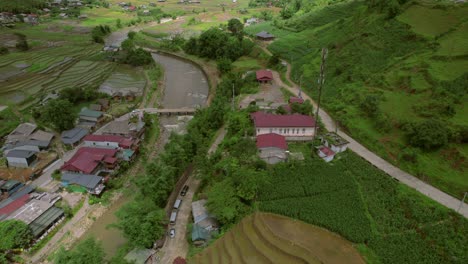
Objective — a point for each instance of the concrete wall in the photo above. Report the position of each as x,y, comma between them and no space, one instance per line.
287,131
17,162
338,149
113,145
272,155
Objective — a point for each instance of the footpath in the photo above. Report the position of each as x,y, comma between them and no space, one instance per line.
375,160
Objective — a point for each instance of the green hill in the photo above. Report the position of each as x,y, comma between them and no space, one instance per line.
395,78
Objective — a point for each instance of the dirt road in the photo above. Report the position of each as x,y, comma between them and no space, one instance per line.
377,161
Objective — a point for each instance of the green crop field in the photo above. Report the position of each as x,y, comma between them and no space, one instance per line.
367,207
267,238
414,64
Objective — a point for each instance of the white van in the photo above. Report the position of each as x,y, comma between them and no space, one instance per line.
173,218
177,204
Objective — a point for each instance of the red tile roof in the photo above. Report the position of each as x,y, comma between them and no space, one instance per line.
264,75
296,100
262,119
15,205
123,141
86,159
271,140
327,151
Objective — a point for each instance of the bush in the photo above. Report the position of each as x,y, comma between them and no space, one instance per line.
3,50
224,65
428,135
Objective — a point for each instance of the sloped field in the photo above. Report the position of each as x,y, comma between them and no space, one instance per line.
269,238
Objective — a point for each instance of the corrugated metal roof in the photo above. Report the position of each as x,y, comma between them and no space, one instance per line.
41,223
85,180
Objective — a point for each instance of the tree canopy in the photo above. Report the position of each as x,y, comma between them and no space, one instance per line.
429,134
14,234
59,113
88,251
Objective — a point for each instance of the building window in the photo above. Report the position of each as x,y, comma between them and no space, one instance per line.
258,130
271,130
303,130
281,130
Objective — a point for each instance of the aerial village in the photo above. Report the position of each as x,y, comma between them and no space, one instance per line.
43,169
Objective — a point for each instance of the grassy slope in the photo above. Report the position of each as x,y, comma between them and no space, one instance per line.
394,58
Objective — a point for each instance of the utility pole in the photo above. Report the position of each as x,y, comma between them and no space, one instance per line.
462,202
233,98
320,85
300,86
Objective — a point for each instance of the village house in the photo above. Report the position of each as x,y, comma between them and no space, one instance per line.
125,128
326,153
336,143
292,127
92,183
73,136
89,115
37,210
140,256
296,100
204,223
264,76
251,21
21,132
90,160
265,36
20,158
11,186
108,141
272,148
104,103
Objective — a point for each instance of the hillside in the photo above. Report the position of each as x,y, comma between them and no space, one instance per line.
268,238
395,79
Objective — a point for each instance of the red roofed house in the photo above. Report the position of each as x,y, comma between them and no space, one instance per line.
13,206
108,141
264,76
272,148
293,127
89,160
326,153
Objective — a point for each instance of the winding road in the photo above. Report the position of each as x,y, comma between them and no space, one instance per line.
372,158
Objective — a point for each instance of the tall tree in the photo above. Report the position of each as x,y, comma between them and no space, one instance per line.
14,234
236,27
60,114
88,251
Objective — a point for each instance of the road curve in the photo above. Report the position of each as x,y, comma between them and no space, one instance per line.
375,160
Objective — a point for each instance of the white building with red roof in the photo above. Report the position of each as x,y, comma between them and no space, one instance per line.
272,148
108,141
90,160
326,153
292,127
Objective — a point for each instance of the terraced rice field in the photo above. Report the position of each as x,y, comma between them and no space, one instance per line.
124,79
269,238
34,74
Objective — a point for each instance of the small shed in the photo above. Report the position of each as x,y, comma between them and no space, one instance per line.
326,153
272,148
265,36
20,158
264,76
74,135
335,142
200,235
296,100
140,256
90,115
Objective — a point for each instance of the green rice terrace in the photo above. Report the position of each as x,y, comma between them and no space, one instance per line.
124,79
389,77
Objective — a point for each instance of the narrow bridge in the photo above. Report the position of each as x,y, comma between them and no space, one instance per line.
176,111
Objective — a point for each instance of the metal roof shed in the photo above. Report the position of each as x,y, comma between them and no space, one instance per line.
45,221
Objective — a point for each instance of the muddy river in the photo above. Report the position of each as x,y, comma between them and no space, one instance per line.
185,86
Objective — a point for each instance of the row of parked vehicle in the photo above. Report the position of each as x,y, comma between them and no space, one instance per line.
175,209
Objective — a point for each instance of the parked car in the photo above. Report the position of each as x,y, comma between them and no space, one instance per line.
184,190
172,233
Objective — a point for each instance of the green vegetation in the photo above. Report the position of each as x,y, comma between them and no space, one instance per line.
392,67
364,205
99,32
87,251
16,235
23,6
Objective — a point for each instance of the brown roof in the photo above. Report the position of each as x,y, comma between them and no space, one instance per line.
42,136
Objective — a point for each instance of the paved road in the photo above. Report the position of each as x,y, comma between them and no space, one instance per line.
380,163
178,246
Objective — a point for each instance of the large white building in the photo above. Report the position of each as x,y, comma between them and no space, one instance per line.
293,127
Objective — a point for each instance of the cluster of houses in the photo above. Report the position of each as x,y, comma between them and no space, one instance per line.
24,143
272,131
21,202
